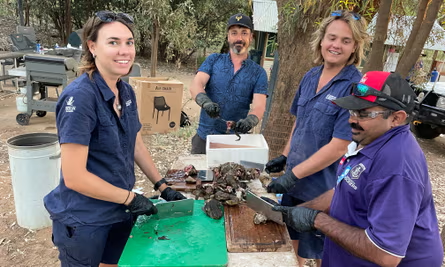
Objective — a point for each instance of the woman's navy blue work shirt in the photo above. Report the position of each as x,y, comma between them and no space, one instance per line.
318,121
85,115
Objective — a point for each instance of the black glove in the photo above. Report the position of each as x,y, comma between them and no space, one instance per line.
283,183
170,194
299,218
208,105
276,164
244,125
140,205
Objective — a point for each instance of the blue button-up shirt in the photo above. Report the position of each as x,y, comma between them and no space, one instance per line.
318,121
232,91
385,189
85,115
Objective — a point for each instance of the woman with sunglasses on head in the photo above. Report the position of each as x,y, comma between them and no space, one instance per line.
93,209
321,132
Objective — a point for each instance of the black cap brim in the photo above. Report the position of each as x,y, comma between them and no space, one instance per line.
239,24
354,103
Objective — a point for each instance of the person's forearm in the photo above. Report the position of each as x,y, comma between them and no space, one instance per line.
258,111
195,89
198,84
321,159
289,140
143,159
322,202
354,240
258,105
90,185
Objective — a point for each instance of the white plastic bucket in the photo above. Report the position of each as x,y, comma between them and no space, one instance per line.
23,90
20,102
34,161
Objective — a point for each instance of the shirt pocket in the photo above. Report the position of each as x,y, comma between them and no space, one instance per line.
324,117
301,105
108,132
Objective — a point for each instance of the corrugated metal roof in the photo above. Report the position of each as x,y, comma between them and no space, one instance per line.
265,16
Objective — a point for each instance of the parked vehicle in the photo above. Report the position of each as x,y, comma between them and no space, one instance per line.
429,113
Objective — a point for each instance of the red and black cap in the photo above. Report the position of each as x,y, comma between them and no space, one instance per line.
240,20
380,88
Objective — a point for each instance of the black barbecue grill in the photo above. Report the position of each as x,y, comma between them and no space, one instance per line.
43,71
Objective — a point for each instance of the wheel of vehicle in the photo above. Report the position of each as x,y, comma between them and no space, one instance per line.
40,113
424,131
22,118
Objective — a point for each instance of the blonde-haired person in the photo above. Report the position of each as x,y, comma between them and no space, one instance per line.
93,209
321,132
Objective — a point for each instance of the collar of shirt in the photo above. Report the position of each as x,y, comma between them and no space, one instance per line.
104,89
346,73
371,149
244,63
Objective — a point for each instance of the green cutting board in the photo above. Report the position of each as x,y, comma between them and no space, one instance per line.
193,241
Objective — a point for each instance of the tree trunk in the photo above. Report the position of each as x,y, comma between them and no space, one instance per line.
412,53
68,25
206,39
27,23
154,48
442,235
20,11
375,58
421,9
294,61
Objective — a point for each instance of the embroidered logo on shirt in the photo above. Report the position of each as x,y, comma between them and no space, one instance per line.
128,103
331,97
69,105
357,170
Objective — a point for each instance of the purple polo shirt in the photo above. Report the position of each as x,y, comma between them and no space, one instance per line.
385,189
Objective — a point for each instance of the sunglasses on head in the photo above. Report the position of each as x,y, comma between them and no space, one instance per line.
339,13
110,16
359,89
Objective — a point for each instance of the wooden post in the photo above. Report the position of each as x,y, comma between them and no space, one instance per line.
434,59
154,48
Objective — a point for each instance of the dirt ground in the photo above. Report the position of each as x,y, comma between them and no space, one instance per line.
22,247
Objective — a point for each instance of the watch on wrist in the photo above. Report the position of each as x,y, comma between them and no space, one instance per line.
159,183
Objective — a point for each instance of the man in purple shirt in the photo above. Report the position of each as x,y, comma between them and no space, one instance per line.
381,212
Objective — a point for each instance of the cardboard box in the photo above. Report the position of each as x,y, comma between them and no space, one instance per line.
224,148
159,101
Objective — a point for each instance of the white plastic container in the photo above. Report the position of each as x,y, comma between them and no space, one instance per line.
224,148
23,90
35,169
20,102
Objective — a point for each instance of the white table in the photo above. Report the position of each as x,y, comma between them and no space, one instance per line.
263,259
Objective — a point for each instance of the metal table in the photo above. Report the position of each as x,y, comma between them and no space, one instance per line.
14,56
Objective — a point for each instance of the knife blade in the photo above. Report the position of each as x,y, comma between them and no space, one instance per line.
261,206
205,175
174,209
251,164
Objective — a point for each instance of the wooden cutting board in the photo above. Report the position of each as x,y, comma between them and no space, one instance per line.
176,180
243,235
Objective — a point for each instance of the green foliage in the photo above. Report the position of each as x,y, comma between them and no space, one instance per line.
200,60
7,7
186,132
186,25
